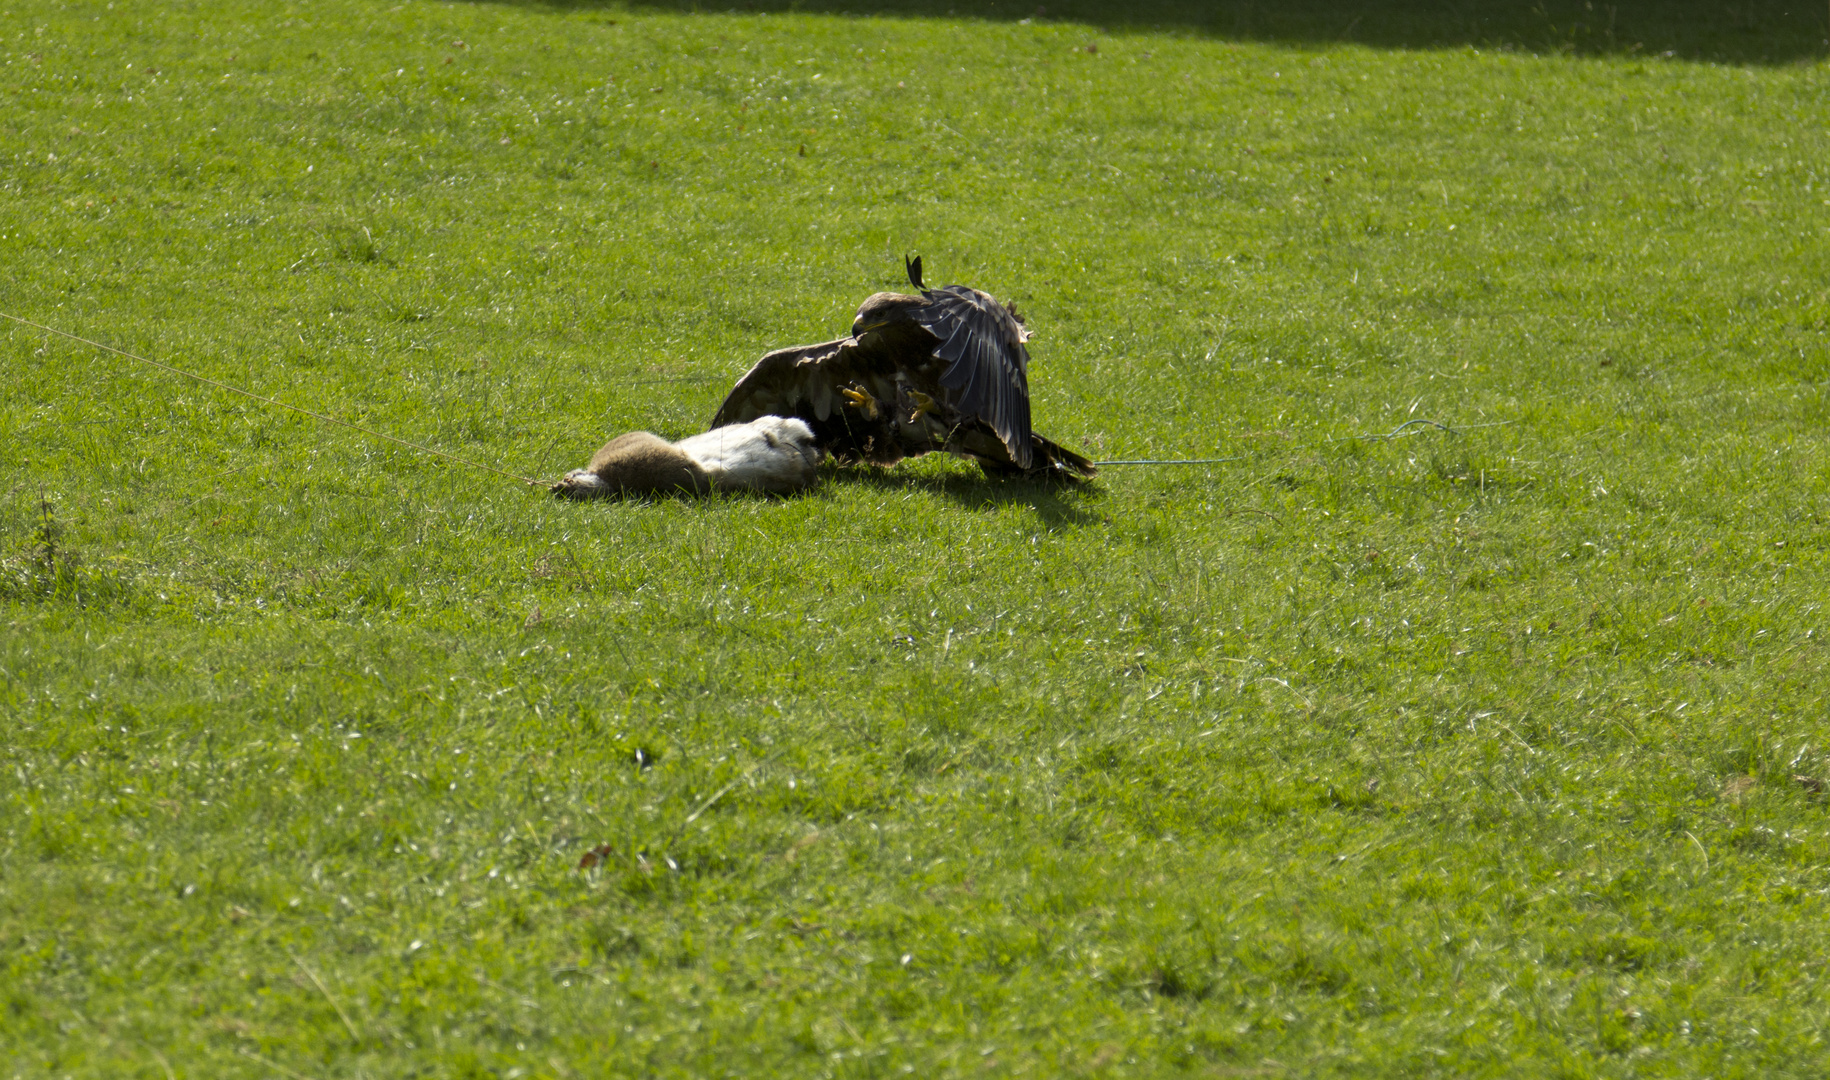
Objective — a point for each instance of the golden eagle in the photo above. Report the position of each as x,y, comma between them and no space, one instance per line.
942,371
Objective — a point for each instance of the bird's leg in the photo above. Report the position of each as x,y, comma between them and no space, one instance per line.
861,399
923,405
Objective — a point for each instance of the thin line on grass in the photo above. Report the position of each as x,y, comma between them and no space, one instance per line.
1394,433
1420,421
967,139
710,801
530,481
1523,745
1700,849
707,804
1253,510
322,989
675,379
274,1065
1173,461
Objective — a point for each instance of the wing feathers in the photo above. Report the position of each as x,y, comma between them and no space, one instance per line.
987,363
786,381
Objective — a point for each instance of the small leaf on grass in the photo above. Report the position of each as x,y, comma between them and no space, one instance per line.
598,854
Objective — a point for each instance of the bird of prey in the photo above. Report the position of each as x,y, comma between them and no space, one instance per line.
943,371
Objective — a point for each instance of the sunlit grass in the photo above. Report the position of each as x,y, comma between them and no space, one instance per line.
1489,748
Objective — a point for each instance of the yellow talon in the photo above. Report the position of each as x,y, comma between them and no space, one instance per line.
861,399
923,405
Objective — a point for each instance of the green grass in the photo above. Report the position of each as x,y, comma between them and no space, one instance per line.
1492,752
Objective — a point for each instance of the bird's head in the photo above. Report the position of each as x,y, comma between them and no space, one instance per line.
885,309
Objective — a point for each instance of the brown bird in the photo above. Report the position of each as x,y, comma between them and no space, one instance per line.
943,371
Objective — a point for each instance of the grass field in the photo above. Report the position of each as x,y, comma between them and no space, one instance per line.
1494,748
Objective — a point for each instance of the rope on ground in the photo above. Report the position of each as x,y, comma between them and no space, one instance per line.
1392,434
1173,461
275,401
1400,429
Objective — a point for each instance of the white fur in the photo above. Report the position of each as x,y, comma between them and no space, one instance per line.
770,453
581,481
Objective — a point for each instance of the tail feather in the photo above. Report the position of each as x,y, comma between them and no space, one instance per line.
1061,459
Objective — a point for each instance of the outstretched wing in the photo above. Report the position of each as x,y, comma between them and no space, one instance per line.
801,381
845,391
988,367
